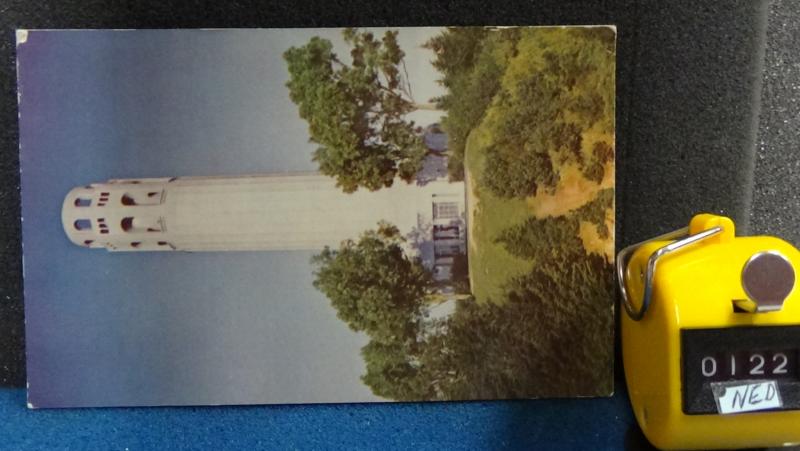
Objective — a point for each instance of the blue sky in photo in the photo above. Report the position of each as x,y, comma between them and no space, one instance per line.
171,327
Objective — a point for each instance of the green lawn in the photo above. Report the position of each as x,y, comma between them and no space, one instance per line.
490,266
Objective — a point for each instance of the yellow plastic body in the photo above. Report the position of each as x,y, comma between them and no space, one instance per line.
694,288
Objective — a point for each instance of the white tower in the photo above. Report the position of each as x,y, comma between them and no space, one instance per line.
263,212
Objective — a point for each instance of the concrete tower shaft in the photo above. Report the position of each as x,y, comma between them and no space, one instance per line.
261,212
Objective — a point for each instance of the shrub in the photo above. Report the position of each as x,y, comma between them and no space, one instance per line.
554,90
595,211
472,62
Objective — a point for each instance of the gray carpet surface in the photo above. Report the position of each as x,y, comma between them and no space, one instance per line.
775,207
690,100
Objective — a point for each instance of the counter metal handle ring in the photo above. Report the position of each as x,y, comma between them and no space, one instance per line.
624,255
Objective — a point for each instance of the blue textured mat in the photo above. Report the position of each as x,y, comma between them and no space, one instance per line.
561,424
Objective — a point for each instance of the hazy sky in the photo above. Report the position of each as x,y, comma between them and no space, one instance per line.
173,328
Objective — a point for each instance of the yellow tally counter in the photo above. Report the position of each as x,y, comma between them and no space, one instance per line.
711,337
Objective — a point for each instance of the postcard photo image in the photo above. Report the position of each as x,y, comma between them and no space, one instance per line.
317,215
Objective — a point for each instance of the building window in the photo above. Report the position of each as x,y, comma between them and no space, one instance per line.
83,224
131,224
166,243
440,232
140,198
446,250
83,202
444,261
442,272
445,210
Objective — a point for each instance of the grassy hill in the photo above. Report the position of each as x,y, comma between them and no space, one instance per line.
490,265
542,146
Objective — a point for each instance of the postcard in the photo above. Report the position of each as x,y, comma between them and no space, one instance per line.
317,215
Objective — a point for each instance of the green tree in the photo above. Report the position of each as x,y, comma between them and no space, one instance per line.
573,295
356,112
472,61
556,237
393,372
595,211
455,50
602,153
557,90
509,174
541,239
427,369
550,336
374,287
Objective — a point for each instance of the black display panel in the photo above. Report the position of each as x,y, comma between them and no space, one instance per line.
768,353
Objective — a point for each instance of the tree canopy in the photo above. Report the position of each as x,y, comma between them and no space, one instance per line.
356,112
549,335
394,373
557,237
471,61
541,97
374,287
557,91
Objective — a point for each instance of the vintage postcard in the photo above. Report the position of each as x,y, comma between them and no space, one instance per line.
317,215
